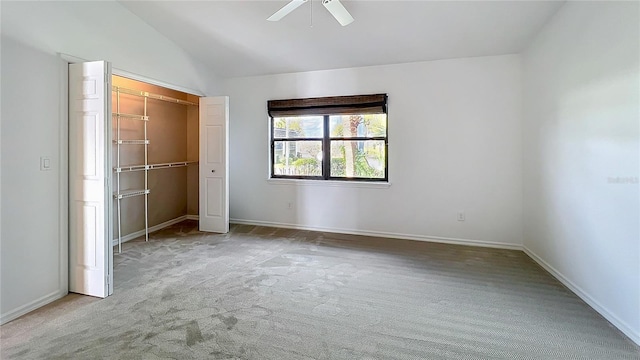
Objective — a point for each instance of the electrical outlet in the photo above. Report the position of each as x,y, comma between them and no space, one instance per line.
461,216
289,205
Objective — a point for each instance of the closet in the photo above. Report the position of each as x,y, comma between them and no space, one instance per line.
141,157
155,153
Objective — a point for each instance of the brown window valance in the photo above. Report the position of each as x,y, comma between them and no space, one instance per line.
334,105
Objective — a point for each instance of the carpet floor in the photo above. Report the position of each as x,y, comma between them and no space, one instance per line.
267,293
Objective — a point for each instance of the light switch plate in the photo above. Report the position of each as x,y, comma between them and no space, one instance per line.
45,163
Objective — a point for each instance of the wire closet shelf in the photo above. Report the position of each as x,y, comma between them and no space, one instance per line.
121,194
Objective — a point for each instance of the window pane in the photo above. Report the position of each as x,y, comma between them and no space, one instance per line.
297,158
373,125
363,159
298,127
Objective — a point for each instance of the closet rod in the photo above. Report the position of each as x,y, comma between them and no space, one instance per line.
170,165
130,193
152,96
153,166
131,116
131,142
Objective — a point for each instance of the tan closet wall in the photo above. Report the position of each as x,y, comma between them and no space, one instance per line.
172,131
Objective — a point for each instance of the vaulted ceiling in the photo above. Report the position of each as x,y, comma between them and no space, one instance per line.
234,38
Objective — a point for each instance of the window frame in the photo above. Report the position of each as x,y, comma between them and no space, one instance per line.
326,140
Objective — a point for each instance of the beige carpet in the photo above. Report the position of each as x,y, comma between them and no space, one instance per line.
265,293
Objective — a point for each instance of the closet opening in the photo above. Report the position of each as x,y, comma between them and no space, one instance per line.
155,153
141,157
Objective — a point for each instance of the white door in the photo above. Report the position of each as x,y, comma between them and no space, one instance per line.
90,253
214,156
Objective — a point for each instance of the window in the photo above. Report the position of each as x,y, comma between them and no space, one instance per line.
334,138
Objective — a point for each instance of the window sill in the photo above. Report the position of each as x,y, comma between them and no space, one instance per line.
331,183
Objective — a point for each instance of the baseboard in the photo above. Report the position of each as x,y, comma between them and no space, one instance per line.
438,239
27,308
193,217
139,233
613,319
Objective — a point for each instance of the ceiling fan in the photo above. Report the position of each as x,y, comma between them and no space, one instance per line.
335,7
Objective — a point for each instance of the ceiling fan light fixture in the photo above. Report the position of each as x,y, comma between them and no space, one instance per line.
338,11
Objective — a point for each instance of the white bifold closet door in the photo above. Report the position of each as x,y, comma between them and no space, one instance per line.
214,164
90,250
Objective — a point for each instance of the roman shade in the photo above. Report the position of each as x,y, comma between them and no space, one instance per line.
334,105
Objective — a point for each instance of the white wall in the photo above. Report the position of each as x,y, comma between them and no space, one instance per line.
454,145
104,30
32,250
29,247
581,133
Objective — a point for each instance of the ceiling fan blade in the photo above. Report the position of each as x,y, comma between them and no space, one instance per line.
294,4
338,11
